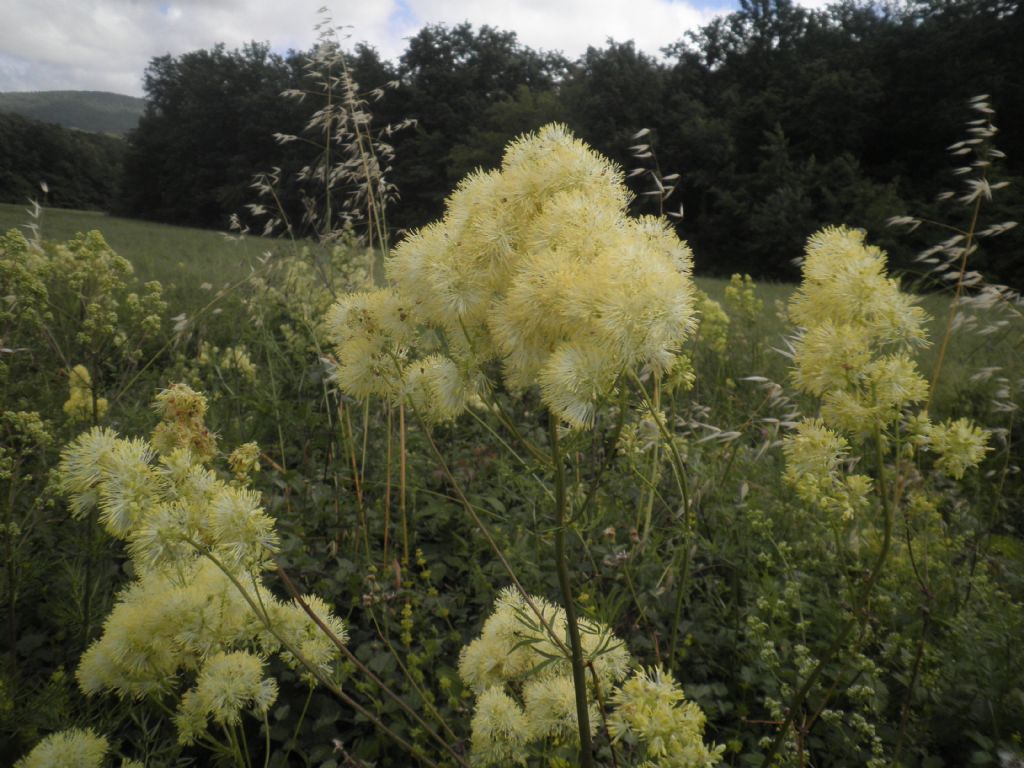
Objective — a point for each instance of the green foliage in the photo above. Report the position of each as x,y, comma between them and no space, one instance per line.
738,615
65,168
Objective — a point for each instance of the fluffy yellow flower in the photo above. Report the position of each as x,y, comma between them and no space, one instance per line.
815,456
857,326
517,666
650,707
960,445
499,730
227,684
550,707
193,538
536,264
73,748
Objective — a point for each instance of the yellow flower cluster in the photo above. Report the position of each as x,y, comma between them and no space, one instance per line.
234,358
742,300
857,328
229,683
73,748
79,405
517,655
535,265
814,467
959,443
525,695
182,413
244,460
198,606
651,708
713,331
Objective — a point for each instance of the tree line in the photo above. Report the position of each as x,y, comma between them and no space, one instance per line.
778,118
58,166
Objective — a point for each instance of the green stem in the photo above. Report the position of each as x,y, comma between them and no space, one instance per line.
908,700
655,470
314,670
486,533
298,727
844,632
329,633
578,674
90,528
681,589
245,746
12,571
678,469
266,736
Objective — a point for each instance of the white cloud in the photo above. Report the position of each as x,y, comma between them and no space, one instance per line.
571,26
106,44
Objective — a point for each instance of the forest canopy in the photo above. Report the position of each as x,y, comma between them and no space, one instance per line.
778,118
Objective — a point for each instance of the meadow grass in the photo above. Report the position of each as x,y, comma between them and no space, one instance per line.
181,258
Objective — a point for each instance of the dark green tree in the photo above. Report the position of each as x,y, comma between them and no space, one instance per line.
450,77
208,127
80,170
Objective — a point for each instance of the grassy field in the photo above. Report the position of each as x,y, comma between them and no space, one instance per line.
181,258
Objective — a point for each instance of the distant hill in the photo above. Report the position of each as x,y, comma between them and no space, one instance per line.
92,111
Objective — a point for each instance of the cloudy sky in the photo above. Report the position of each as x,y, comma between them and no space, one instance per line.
106,44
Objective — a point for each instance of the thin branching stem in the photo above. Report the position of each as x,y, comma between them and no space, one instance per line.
297,597
313,669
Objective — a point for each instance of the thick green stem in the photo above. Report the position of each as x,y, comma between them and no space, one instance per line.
681,589
578,673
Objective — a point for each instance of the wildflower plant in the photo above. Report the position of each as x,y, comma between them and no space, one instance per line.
537,271
198,609
74,748
853,352
521,673
76,300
